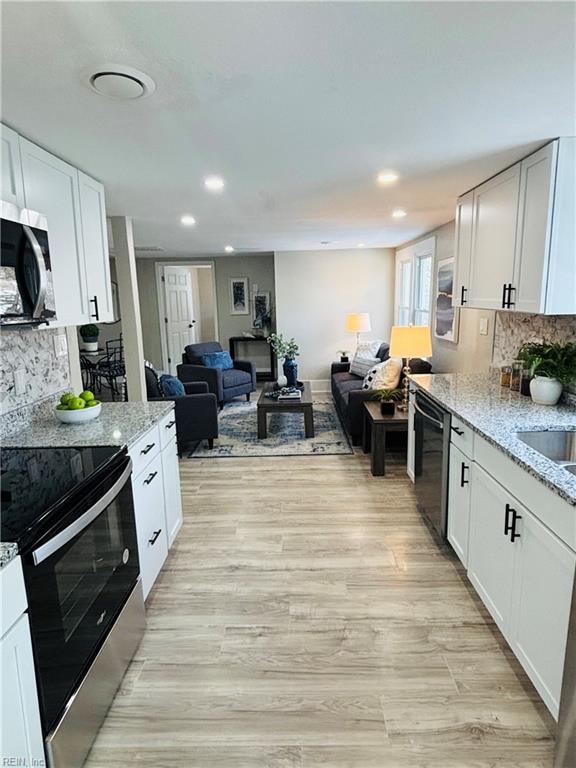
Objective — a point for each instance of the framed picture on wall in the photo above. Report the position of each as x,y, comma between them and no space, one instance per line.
239,301
446,316
261,308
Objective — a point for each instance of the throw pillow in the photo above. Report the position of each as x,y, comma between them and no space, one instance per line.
368,348
386,375
361,365
218,360
171,386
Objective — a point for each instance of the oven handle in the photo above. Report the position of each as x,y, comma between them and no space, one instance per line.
35,245
62,538
439,424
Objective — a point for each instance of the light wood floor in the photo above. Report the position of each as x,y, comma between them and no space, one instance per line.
306,618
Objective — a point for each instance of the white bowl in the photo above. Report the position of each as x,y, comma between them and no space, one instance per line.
80,416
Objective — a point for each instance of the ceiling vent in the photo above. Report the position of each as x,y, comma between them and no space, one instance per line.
120,83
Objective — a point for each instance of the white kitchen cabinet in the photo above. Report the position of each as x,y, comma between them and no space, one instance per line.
172,497
494,240
12,186
411,442
490,551
463,248
51,189
541,595
459,502
95,249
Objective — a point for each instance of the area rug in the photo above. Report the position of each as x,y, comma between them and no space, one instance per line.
238,434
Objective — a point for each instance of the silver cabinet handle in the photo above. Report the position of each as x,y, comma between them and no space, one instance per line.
427,416
39,256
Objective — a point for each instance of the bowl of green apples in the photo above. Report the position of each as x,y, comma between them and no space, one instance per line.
77,409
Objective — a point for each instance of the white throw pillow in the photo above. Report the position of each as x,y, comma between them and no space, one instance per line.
386,375
367,348
361,365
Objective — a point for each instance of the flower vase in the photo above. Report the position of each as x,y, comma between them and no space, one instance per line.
281,379
291,371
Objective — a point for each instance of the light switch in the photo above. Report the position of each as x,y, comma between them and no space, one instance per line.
20,383
483,326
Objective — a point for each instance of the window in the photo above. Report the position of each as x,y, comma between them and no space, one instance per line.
414,283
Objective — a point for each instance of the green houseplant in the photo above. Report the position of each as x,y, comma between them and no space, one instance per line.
89,335
289,350
388,399
343,355
552,366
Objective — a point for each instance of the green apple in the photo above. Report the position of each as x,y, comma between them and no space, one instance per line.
66,397
61,407
87,396
92,403
75,404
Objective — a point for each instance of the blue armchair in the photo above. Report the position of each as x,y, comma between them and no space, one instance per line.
226,385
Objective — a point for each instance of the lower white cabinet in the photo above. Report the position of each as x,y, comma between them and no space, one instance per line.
173,499
459,502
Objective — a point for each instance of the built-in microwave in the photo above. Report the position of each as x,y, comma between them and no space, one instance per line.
26,287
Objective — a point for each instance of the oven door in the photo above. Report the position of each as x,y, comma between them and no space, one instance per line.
78,578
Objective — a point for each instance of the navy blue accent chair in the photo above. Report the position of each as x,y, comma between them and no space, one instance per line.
226,385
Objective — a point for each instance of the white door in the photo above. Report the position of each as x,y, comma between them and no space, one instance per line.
12,187
459,502
179,319
494,239
173,500
543,579
21,735
463,248
95,242
51,189
490,551
537,177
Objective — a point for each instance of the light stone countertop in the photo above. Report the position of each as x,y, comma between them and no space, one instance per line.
497,414
8,551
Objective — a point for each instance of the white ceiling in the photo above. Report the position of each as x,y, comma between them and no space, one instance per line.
296,105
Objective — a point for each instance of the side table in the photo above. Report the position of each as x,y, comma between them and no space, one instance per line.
376,425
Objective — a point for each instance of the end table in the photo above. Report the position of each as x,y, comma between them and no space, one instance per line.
376,425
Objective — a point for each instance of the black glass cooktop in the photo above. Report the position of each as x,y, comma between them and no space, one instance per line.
39,483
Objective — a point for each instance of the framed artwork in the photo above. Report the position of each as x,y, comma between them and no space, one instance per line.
239,301
446,316
261,308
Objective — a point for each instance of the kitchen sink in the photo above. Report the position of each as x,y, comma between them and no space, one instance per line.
559,446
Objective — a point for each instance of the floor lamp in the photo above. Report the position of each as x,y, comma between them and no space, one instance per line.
408,341
358,323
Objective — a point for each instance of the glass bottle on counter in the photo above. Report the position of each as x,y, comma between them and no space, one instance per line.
505,376
516,375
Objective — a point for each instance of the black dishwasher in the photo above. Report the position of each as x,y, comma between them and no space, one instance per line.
431,460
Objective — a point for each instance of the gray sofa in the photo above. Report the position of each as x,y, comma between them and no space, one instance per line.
349,396
226,385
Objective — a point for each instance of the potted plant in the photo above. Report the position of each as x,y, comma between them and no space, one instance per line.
89,335
343,355
288,350
388,399
552,366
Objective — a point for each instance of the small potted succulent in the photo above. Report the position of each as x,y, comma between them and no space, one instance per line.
89,335
552,366
388,399
343,355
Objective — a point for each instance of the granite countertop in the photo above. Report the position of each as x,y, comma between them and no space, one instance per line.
118,424
8,551
497,414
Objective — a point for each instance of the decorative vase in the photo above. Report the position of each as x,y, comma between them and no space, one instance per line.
290,368
387,407
545,391
281,380
90,345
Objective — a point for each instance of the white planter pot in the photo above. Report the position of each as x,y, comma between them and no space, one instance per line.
90,346
545,391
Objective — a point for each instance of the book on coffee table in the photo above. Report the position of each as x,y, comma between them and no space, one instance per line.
297,395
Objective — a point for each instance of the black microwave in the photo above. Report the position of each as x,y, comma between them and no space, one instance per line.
26,285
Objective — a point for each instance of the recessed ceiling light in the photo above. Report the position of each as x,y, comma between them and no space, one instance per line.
325,242
360,245
387,177
188,220
119,82
214,183
399,213
229,249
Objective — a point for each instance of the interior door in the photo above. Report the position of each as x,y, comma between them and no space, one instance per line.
179,319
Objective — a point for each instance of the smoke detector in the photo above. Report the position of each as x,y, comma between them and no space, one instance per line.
119,82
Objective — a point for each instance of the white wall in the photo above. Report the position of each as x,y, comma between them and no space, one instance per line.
315,290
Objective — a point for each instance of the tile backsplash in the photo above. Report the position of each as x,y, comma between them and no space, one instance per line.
514,329
41,357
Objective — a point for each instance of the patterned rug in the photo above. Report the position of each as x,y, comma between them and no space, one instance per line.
238,433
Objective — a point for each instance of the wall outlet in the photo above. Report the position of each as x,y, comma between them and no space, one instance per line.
20,383
483,326
60,345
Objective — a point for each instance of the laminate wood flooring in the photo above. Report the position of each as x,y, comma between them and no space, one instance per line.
304,618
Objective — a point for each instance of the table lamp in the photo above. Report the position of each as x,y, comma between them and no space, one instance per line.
409,341
358,322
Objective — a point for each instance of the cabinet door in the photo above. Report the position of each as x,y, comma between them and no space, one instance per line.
22,740
172,497
494,239
537,175
410,462
490,551
149,511
95,246
12,186
543,579
51,189
463,248
459,502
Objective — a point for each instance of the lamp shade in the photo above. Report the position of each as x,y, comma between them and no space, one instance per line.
410,341
358,322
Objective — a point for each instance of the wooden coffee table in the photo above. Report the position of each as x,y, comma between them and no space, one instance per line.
376,425
268,405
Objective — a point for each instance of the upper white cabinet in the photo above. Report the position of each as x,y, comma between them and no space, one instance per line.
95,244
521,254
51,188
12,187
